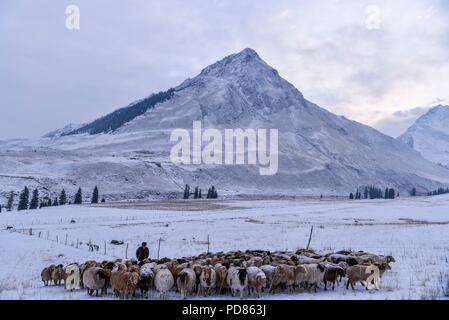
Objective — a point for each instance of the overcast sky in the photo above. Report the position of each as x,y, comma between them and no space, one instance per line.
378,62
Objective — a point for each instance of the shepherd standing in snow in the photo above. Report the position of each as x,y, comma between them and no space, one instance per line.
142,252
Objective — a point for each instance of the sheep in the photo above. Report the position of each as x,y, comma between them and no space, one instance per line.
331,274
197,268
163,281
94,279
208,279
83,267
350,260
359,273
256,280
124,283
373,258
186,281
57,275
315,275
269,273
146,281
72,277
237,280
46,274
284,275
221,273
177,270
307,260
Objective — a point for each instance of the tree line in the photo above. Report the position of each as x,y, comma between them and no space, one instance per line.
197,194
25,203
438,192
372,192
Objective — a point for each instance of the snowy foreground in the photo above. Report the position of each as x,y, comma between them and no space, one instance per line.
415,231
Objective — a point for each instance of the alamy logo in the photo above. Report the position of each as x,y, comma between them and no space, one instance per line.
72,21
239,147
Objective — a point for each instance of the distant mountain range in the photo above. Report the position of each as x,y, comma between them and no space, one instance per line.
126,153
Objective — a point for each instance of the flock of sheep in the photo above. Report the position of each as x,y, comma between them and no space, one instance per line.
220,273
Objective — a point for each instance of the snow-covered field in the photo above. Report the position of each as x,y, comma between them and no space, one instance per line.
415,231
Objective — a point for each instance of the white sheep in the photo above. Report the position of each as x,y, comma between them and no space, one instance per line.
256,280
163,280
315,275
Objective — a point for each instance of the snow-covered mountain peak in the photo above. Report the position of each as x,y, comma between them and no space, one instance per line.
430,135
436,117
237,64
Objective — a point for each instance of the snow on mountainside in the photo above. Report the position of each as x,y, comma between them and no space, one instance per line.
430,135
60,132
319,152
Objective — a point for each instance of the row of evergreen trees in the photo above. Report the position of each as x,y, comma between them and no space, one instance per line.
373,192
438,192
211,193
26,204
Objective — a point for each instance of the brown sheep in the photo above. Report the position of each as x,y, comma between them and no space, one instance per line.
57,275
208,280
124,283
359,273
221,273
46,274
331,275
284,276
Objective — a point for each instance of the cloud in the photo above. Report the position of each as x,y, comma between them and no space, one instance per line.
363,59
398,122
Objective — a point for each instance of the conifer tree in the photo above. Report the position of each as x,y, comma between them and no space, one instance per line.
391,194
195,195
10,202
24,199
200,195
34,203
187,192
78,197
62,198
351,196
95,195
55,202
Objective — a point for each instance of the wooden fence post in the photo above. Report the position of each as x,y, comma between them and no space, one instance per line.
310,238
57,239
105,247
208,243
66,235
158,248
126,252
